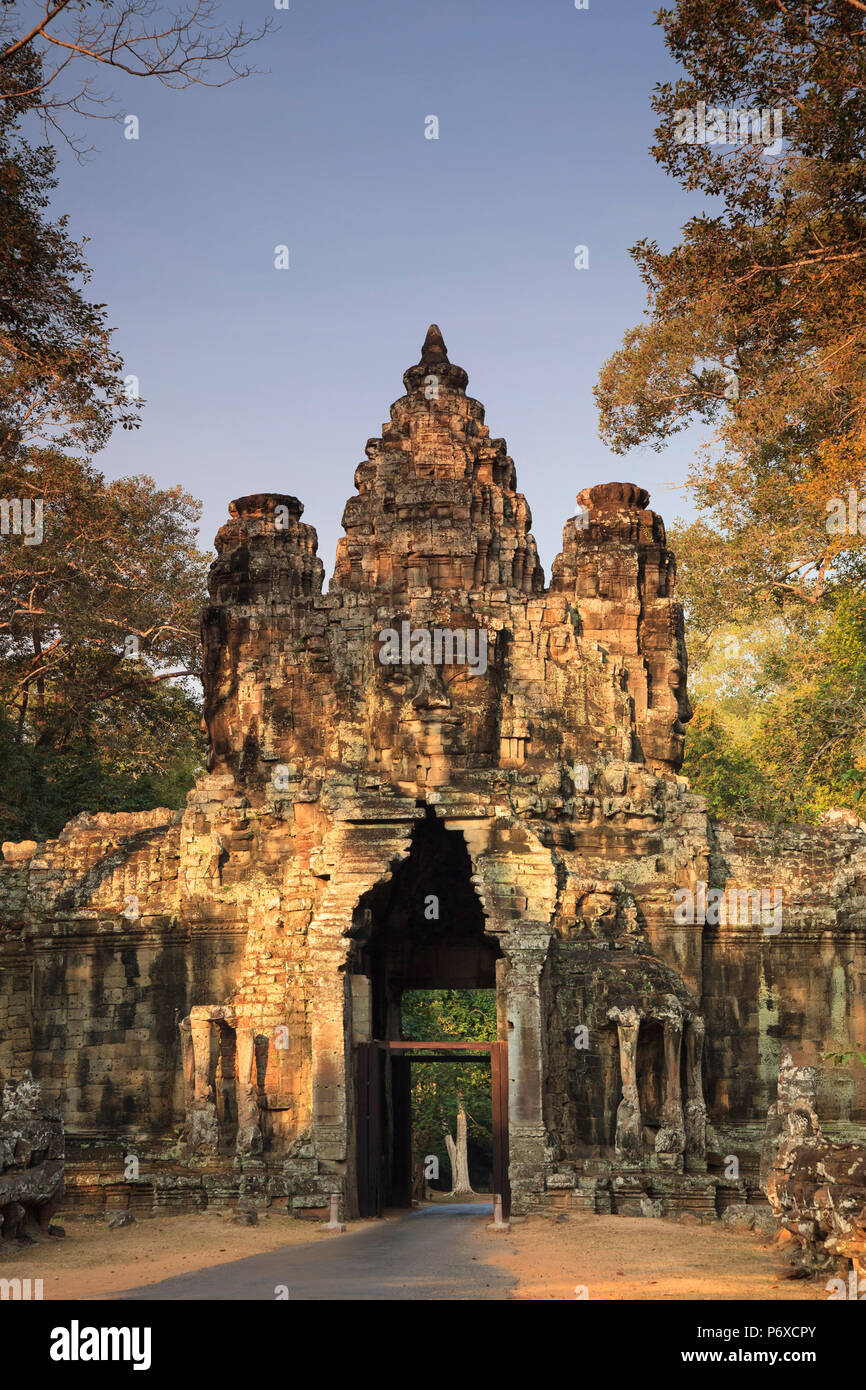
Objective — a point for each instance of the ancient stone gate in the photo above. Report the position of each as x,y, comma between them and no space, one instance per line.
192,987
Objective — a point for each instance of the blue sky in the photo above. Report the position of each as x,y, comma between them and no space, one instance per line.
259,379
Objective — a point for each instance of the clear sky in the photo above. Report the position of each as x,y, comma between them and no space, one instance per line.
259,379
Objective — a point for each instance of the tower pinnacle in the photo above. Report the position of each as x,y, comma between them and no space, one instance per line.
435,367
434,348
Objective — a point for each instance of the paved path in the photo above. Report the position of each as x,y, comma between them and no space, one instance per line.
432,1253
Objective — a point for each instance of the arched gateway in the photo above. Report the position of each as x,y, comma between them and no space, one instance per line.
421,928
439,723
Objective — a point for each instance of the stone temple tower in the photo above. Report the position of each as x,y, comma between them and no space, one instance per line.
442,721
441,724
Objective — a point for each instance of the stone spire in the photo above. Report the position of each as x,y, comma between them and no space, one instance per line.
434,373
616,569
434,345
437,503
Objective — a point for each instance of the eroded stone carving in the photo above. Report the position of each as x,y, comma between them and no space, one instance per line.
31,1161
816,1188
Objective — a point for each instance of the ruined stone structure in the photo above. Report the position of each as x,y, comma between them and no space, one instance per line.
817,1189
197,988
31,1161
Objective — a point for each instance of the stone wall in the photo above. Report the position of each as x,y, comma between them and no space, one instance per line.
800,978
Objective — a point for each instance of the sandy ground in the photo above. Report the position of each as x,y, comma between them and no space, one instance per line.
93,1262
612,1257
628,1257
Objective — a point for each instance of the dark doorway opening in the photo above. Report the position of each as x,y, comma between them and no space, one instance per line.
422,929
384,1117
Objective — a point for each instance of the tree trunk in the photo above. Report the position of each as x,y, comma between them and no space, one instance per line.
459,1157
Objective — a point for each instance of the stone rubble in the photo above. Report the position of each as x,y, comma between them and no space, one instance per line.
816,1188
31,1161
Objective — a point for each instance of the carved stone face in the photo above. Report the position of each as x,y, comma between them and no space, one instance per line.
668,734
434,712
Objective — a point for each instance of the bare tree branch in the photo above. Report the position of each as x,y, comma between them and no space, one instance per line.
180,47
37,29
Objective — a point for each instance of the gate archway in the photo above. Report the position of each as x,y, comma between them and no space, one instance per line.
422,928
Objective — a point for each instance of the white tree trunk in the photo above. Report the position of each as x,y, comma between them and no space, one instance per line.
459,1157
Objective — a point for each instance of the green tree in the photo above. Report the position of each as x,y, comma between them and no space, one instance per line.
780,715
440,1088
44,789
755,327
61,383
98,641
104,606
725,771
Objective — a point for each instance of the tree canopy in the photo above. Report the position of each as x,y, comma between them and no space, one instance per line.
101,582
61,382
755,328
756,321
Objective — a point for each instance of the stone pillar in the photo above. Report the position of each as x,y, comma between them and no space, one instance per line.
526,951
187,1059
671,1138
356,857
329,1117
629,1123
203,1125
362,1008
695,1106
249,1137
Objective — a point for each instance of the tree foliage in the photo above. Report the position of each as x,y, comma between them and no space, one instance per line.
98,640
451,1015
45,788
765,291
755,327
61,383
100,582
779,731
106,606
